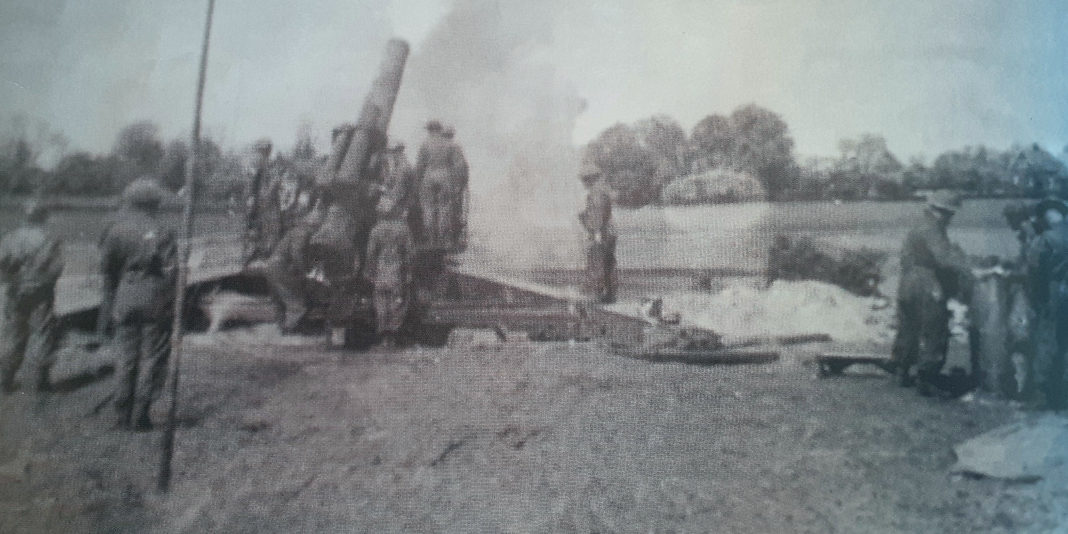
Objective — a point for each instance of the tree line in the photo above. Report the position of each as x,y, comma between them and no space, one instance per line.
749,155
138,150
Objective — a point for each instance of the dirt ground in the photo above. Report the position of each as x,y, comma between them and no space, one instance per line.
280,435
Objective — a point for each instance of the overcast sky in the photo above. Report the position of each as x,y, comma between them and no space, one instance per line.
927,75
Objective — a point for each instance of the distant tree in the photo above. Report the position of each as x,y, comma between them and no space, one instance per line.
139,148
629,167
24,142
82,173
665,140
763,147
712,144
1038,171
916,175
172,165
866,169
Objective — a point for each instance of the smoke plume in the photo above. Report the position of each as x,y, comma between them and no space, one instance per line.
483,71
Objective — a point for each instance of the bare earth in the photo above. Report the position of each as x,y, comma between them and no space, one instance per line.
285,437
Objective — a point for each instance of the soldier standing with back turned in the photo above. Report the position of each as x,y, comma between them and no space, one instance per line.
142,254
433,174
1047,269
600,235
457,191
933,270
30,263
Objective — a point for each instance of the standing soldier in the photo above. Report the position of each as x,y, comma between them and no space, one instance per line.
258,213
457,192
600,236
389,257
142,254
1047,262
433,173
30,264
933,270
397,176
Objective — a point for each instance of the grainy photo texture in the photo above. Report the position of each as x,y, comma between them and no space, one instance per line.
501,266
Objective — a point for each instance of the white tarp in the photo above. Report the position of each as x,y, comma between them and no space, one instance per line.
1029,450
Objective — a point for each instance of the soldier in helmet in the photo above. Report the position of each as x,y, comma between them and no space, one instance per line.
933,270
1047,272
389,269
141,253
600,236
434,170
30,263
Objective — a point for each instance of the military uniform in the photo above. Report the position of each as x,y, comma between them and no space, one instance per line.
286,269
30,263
435,170
457,192
933,270
389,268
142,254
600,237
1047,262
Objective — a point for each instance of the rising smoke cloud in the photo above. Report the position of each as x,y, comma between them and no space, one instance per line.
483,71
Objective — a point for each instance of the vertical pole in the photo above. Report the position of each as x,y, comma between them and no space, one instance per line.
167,445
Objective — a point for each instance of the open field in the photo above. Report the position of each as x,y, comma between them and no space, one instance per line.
280,435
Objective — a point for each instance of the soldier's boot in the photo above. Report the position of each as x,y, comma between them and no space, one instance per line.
905,378
292,316
143,422
43,383
122,421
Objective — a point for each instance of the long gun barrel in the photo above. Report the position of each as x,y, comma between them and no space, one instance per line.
373,123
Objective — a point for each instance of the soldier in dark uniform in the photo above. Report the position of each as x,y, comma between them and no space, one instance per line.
142,254
933,270
260,221
288,266
600,235
30,263
434,169
1047,270
389,258
457,191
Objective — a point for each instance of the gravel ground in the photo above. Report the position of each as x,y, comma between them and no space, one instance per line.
507,438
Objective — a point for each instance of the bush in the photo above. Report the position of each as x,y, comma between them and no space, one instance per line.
713,186
858,271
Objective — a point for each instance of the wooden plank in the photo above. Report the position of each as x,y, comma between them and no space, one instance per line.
720,356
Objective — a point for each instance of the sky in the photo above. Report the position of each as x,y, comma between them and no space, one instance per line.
543,76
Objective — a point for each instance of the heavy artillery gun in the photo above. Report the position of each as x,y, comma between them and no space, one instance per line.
328,246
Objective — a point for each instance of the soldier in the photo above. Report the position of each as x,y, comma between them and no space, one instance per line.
600,235
389,257
457,191
397,176
259,223
30,263
287,267
142,254
1047,263
933,270
434,169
